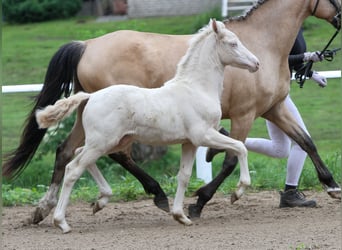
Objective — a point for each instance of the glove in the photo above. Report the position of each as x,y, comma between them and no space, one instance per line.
321,80
313,56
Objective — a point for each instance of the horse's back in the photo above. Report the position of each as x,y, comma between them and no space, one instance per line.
130,57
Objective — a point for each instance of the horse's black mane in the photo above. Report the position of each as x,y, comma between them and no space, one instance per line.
261,2
247,13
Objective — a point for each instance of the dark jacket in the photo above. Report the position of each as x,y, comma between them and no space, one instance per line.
296,56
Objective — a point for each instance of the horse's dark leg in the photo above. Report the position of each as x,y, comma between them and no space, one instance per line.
150,185
284,120
206,192
212,151
323,173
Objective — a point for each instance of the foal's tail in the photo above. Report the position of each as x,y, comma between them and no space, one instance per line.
63,108
61,73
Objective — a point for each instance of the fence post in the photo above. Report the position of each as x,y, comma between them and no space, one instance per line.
224,9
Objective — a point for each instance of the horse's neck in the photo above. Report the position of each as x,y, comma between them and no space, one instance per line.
203,68
274,25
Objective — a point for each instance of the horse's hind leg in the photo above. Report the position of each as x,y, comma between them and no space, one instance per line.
150,185
64,154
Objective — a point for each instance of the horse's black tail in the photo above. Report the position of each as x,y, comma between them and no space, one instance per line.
61,73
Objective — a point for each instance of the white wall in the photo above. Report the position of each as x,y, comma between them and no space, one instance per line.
153,8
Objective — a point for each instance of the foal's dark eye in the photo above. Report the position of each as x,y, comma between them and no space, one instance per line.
233,44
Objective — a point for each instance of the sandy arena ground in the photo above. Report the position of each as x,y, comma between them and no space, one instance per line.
254,222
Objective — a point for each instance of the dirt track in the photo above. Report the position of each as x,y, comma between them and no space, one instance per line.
255,222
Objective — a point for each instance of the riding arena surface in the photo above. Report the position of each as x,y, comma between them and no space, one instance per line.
254,222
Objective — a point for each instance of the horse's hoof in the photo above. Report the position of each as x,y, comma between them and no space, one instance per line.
63,225
334,193
194,211
96,207
233,198
182,219
162,203
37,216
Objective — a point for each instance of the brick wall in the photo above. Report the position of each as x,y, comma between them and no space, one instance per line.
152,8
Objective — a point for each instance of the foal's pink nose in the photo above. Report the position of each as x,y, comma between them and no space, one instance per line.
255,67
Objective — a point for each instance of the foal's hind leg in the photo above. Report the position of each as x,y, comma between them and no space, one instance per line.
64,154
85,159
150,185
105,189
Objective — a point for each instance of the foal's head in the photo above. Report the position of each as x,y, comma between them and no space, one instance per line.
230,49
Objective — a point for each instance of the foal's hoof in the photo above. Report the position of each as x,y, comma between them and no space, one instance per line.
162,203
194,211
334,193
63,225
182,219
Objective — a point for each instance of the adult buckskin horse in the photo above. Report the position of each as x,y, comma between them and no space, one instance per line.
144,59
116,116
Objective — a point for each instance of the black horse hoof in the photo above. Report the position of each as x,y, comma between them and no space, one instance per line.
37,216
194,211
162,203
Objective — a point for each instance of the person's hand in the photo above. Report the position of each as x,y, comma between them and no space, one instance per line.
319,79
313,56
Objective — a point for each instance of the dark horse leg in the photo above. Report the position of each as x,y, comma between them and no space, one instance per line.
287,123
150,185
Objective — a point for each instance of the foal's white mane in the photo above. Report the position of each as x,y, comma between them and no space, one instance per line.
194,44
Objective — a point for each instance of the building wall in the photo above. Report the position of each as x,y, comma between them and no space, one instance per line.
153,8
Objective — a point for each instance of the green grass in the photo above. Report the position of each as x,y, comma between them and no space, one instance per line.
28,48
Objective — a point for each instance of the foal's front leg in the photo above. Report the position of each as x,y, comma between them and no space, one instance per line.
217,140
184,174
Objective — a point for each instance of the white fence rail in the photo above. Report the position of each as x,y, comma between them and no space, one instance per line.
38,87
235,5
